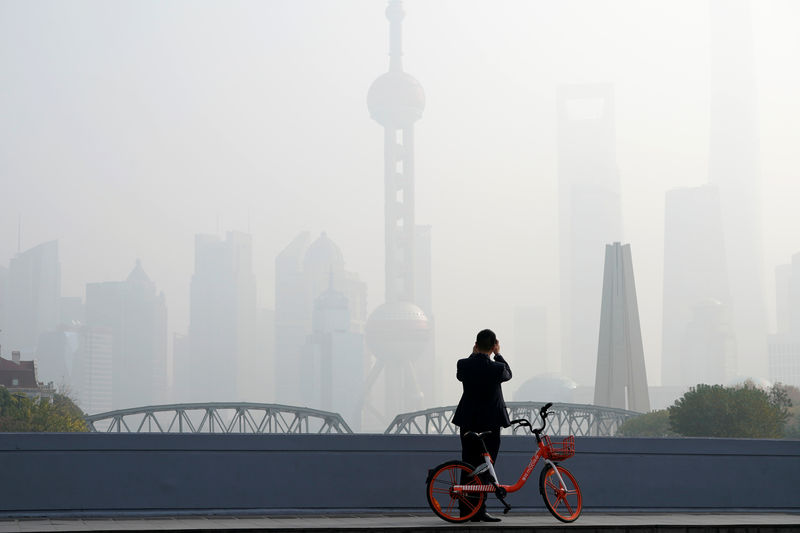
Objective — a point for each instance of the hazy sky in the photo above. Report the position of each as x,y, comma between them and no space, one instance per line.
128,127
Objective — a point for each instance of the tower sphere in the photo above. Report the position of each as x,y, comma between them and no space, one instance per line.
396,99
395,12
547,387
398,331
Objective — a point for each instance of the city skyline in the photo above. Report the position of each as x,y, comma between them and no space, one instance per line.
204,150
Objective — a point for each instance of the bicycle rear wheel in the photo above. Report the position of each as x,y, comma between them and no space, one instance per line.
443,501
565,503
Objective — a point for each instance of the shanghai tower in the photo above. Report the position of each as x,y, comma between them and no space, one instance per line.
733,169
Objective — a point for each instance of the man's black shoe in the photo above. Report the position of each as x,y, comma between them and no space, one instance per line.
485,517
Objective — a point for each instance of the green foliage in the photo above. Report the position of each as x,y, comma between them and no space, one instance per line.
744,411
652,424
792,428
20,413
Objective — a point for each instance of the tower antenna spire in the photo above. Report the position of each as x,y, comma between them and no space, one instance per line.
395,15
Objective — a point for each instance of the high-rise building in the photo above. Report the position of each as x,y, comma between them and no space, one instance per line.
92,373
399,333
34,292
333,359
784,345
222,318
262,388
3,303
136,315
708,351
733,168
303,272
784,360
423,297
621,376
292,319
590,216
56,355
696,323
57,349
783,297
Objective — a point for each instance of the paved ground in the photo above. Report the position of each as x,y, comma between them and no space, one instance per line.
589,522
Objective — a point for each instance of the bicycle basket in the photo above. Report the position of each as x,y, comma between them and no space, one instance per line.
558,451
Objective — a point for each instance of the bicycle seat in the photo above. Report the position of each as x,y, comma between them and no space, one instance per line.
477,435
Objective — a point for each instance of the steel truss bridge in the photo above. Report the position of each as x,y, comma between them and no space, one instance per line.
562,419
218,418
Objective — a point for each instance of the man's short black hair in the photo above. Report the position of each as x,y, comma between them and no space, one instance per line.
486,340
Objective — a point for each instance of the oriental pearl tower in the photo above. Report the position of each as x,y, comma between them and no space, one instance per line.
398,332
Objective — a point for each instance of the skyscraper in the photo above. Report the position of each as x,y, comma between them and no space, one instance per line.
303,272
136,314
784,345
621,380
423,297
222,317
590,216
333,359
696,291
34,292
3,303
292,319
399,332
92,373
733,168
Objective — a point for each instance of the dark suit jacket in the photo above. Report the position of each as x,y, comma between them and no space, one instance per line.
482,406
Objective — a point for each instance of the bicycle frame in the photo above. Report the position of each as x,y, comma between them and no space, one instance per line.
520,482
456,491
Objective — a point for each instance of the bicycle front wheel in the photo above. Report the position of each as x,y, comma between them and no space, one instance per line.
565,503
443,501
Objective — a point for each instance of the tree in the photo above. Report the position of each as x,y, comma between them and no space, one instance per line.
717,411
20,413
792,428
652,424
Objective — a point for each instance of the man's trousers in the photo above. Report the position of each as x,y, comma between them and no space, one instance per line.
472,453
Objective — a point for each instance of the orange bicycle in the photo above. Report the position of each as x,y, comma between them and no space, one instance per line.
456,491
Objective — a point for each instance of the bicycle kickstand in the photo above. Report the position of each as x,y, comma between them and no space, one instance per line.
500,493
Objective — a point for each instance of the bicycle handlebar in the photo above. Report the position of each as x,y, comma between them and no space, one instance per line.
542,413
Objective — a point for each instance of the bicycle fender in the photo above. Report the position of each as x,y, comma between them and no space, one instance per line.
541,477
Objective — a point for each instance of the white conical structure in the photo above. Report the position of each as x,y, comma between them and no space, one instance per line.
621,378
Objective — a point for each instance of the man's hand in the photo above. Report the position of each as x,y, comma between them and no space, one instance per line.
496,349
475,349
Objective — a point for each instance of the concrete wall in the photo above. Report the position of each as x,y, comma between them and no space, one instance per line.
96,474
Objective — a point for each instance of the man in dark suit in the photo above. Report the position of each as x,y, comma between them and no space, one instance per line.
482,407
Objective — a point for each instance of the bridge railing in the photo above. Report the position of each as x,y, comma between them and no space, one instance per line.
564,419
218,418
